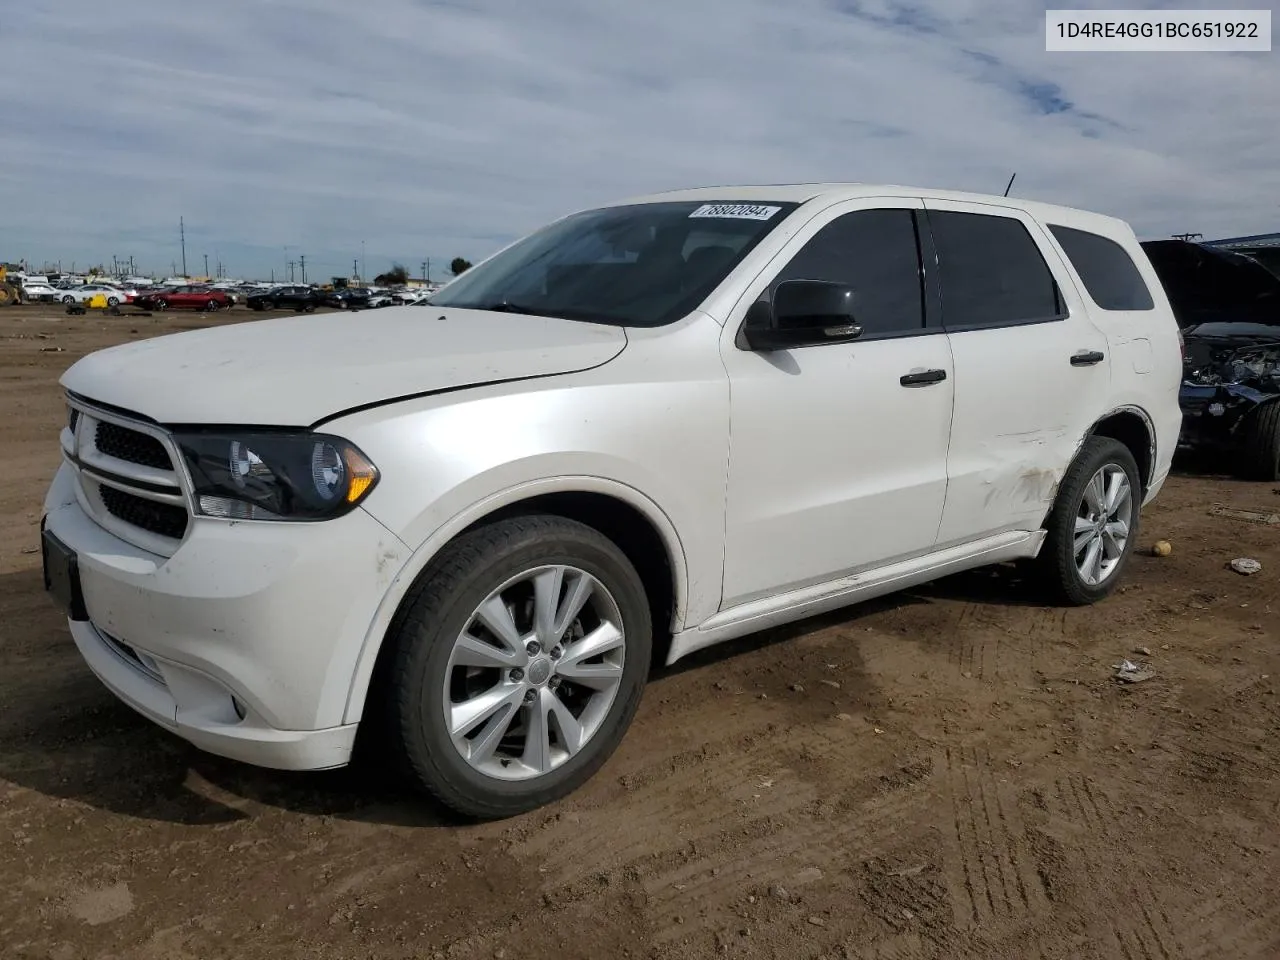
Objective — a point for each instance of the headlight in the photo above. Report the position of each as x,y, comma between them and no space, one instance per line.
276,476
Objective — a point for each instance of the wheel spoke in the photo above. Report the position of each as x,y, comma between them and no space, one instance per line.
471,651
601,640
537,738
579,593
466,716
495,615
1117,493
1118,529
1091,566
597,676
1094,494
1084,533
487,741
567,726
546,600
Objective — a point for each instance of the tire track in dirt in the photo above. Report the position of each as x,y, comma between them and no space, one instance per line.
1243,924
791,856
993,882
1143,930
716,790
989,648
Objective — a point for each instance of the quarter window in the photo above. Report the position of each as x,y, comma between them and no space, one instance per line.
876,253
1107,271
992,272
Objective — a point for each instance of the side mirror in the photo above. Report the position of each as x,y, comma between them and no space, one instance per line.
803,313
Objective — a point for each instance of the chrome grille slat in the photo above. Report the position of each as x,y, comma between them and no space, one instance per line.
128,475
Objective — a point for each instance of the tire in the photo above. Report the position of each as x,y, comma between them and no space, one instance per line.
1059,563
113,301
68,300
162,305
1260,450
497,782
309,308
267,305
211,306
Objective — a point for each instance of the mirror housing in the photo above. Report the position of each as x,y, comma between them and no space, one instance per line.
803,313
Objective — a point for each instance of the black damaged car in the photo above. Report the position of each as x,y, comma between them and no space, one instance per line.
1228,309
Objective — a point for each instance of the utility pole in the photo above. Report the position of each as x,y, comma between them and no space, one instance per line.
273,275
206,265
355,271
302,260
291,271
362,259
132,272
424,270
182,235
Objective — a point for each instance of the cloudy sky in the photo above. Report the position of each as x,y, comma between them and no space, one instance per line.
436,128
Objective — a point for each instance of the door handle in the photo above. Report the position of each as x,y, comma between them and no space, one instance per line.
1087,358
923,378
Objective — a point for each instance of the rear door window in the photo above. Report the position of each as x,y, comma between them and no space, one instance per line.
992,272
1107,271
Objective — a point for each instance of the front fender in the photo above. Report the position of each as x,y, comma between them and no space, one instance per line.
478,510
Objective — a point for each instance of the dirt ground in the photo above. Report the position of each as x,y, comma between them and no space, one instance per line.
949,773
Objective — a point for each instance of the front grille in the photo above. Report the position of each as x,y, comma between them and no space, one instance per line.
131,446
164,519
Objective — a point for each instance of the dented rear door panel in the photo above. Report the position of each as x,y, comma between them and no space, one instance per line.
1022,407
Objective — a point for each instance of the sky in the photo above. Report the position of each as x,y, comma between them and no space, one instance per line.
439,128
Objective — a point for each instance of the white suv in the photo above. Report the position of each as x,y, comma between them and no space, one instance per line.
642,430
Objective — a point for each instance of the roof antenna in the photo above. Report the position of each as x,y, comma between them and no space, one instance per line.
1009,184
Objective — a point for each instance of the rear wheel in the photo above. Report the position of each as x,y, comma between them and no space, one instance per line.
162,304
211,306
518,665
1260,454
1093,525
113,301
68,300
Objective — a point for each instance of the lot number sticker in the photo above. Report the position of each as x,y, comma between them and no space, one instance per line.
735,211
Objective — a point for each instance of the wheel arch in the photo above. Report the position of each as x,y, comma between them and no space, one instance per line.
1133,427
635,523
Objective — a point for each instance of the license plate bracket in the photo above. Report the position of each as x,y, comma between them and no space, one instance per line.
62,576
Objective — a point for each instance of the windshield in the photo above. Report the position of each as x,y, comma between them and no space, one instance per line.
640,265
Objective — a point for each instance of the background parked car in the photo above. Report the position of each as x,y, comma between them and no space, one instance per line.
115,296
40,291
287,298
193,298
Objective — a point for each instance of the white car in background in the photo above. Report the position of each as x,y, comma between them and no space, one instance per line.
115,295
645,429
40,291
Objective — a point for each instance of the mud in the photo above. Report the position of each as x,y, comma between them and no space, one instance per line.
949,773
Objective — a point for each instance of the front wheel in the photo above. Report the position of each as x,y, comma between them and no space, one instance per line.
68,300
113,301
162,305
1094,523
518,664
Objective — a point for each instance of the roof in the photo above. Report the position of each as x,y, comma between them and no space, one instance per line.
1245,243
803,192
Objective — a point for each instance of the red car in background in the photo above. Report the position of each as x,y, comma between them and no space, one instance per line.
192,298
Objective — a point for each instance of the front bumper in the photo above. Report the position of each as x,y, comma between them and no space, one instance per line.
245,641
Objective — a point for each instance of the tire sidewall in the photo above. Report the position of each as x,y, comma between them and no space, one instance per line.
428,746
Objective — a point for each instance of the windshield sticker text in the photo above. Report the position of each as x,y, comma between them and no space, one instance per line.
735,211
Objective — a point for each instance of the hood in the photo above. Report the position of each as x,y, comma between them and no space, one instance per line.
295,371
1206,284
